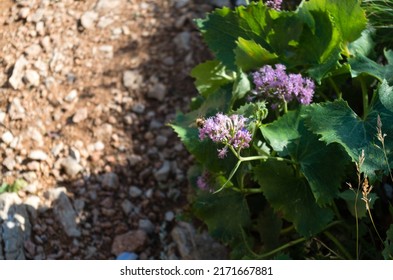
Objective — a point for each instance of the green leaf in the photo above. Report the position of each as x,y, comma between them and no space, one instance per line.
210,76
4,188
349,196
269,225
321,164
291,196
225,213
360,64
252,29
363,45
241,86
388,250
249,55
337,123
348,16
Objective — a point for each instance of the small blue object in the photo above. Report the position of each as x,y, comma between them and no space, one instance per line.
127,256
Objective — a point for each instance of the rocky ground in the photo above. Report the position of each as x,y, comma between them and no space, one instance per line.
86,90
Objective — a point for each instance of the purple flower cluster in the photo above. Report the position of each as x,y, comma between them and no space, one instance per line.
277,86
228,130
274,4
203,181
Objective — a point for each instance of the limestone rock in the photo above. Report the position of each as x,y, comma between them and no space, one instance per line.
17,73
132,241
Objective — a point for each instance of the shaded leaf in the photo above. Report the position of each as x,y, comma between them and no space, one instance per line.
292,197
321,164
360,64
352,132
225,213
387,252
350,197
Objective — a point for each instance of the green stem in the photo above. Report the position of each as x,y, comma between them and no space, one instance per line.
230,176
339,245
357,223
287,230
264,158
365,97
372,221
285,107
336,89
285,246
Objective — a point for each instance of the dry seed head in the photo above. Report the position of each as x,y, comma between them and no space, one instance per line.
381,136
366,190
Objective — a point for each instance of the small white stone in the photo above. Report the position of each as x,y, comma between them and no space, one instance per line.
32,78
107,51
88,19
99,146
38,155
71,96
7,137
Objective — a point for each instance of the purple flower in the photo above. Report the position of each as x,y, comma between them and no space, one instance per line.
277,86
274,4
203,181
227,130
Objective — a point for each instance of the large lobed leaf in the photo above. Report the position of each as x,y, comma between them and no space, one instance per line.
322,165
361,64
291,196
336,122
312,37
225,213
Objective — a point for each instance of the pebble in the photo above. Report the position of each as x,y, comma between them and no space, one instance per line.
138,108
110,180
104,22
80,115
56,150
9,162
127,206
66,214
70,166
158,92
163,173
127,256
7,137
169,216
32,78
88,19
132,241
33,50
2,117
221,3
71,96
132,79
24,13
16,110
161,140
146,225
107,51
17,73
99,146
181,3
108,4
75,154
135,192
38,155
196,246
183,41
